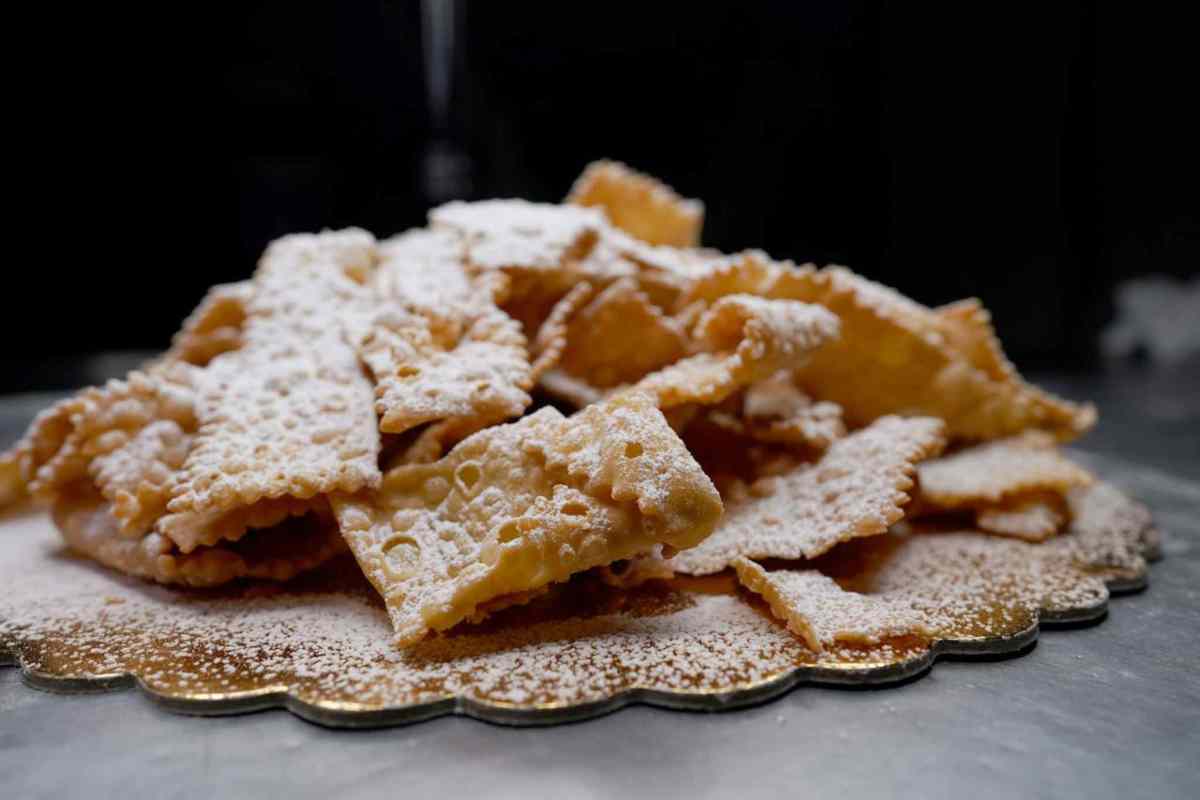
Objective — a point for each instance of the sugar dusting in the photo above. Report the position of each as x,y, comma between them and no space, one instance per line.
331,642
326,638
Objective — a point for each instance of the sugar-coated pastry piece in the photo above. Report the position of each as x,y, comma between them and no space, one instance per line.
214,327
1034,518
639,204
989,473
475,367
106,461
424,267
290,412
775,410
89,528
748,272
63,441
895,356
437,346
498,234
519,506
967,326
821,612
551,340
744,339
857,488
619,337
136,476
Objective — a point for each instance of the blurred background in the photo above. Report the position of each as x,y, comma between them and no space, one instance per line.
1035,155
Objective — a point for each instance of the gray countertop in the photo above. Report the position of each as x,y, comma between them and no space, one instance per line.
1108,710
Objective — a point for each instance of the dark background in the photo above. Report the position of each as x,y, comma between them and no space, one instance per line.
1030,154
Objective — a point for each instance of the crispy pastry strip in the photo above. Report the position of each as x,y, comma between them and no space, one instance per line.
822,613
519,506
437,346
967,326
551,340
507,234
258,411
89,527
894,356
215,326
290,412
619,337
1034,518
745,339
989,473
773,410
856,489
103,422
639,204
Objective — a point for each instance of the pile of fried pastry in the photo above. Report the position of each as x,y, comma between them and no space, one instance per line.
520,392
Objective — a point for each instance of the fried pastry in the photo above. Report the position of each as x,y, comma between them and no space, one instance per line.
857,488
519,506
639,204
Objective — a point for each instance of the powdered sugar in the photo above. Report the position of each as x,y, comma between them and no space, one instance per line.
517,233
324,639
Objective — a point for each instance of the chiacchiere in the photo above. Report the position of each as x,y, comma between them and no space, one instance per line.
518,393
